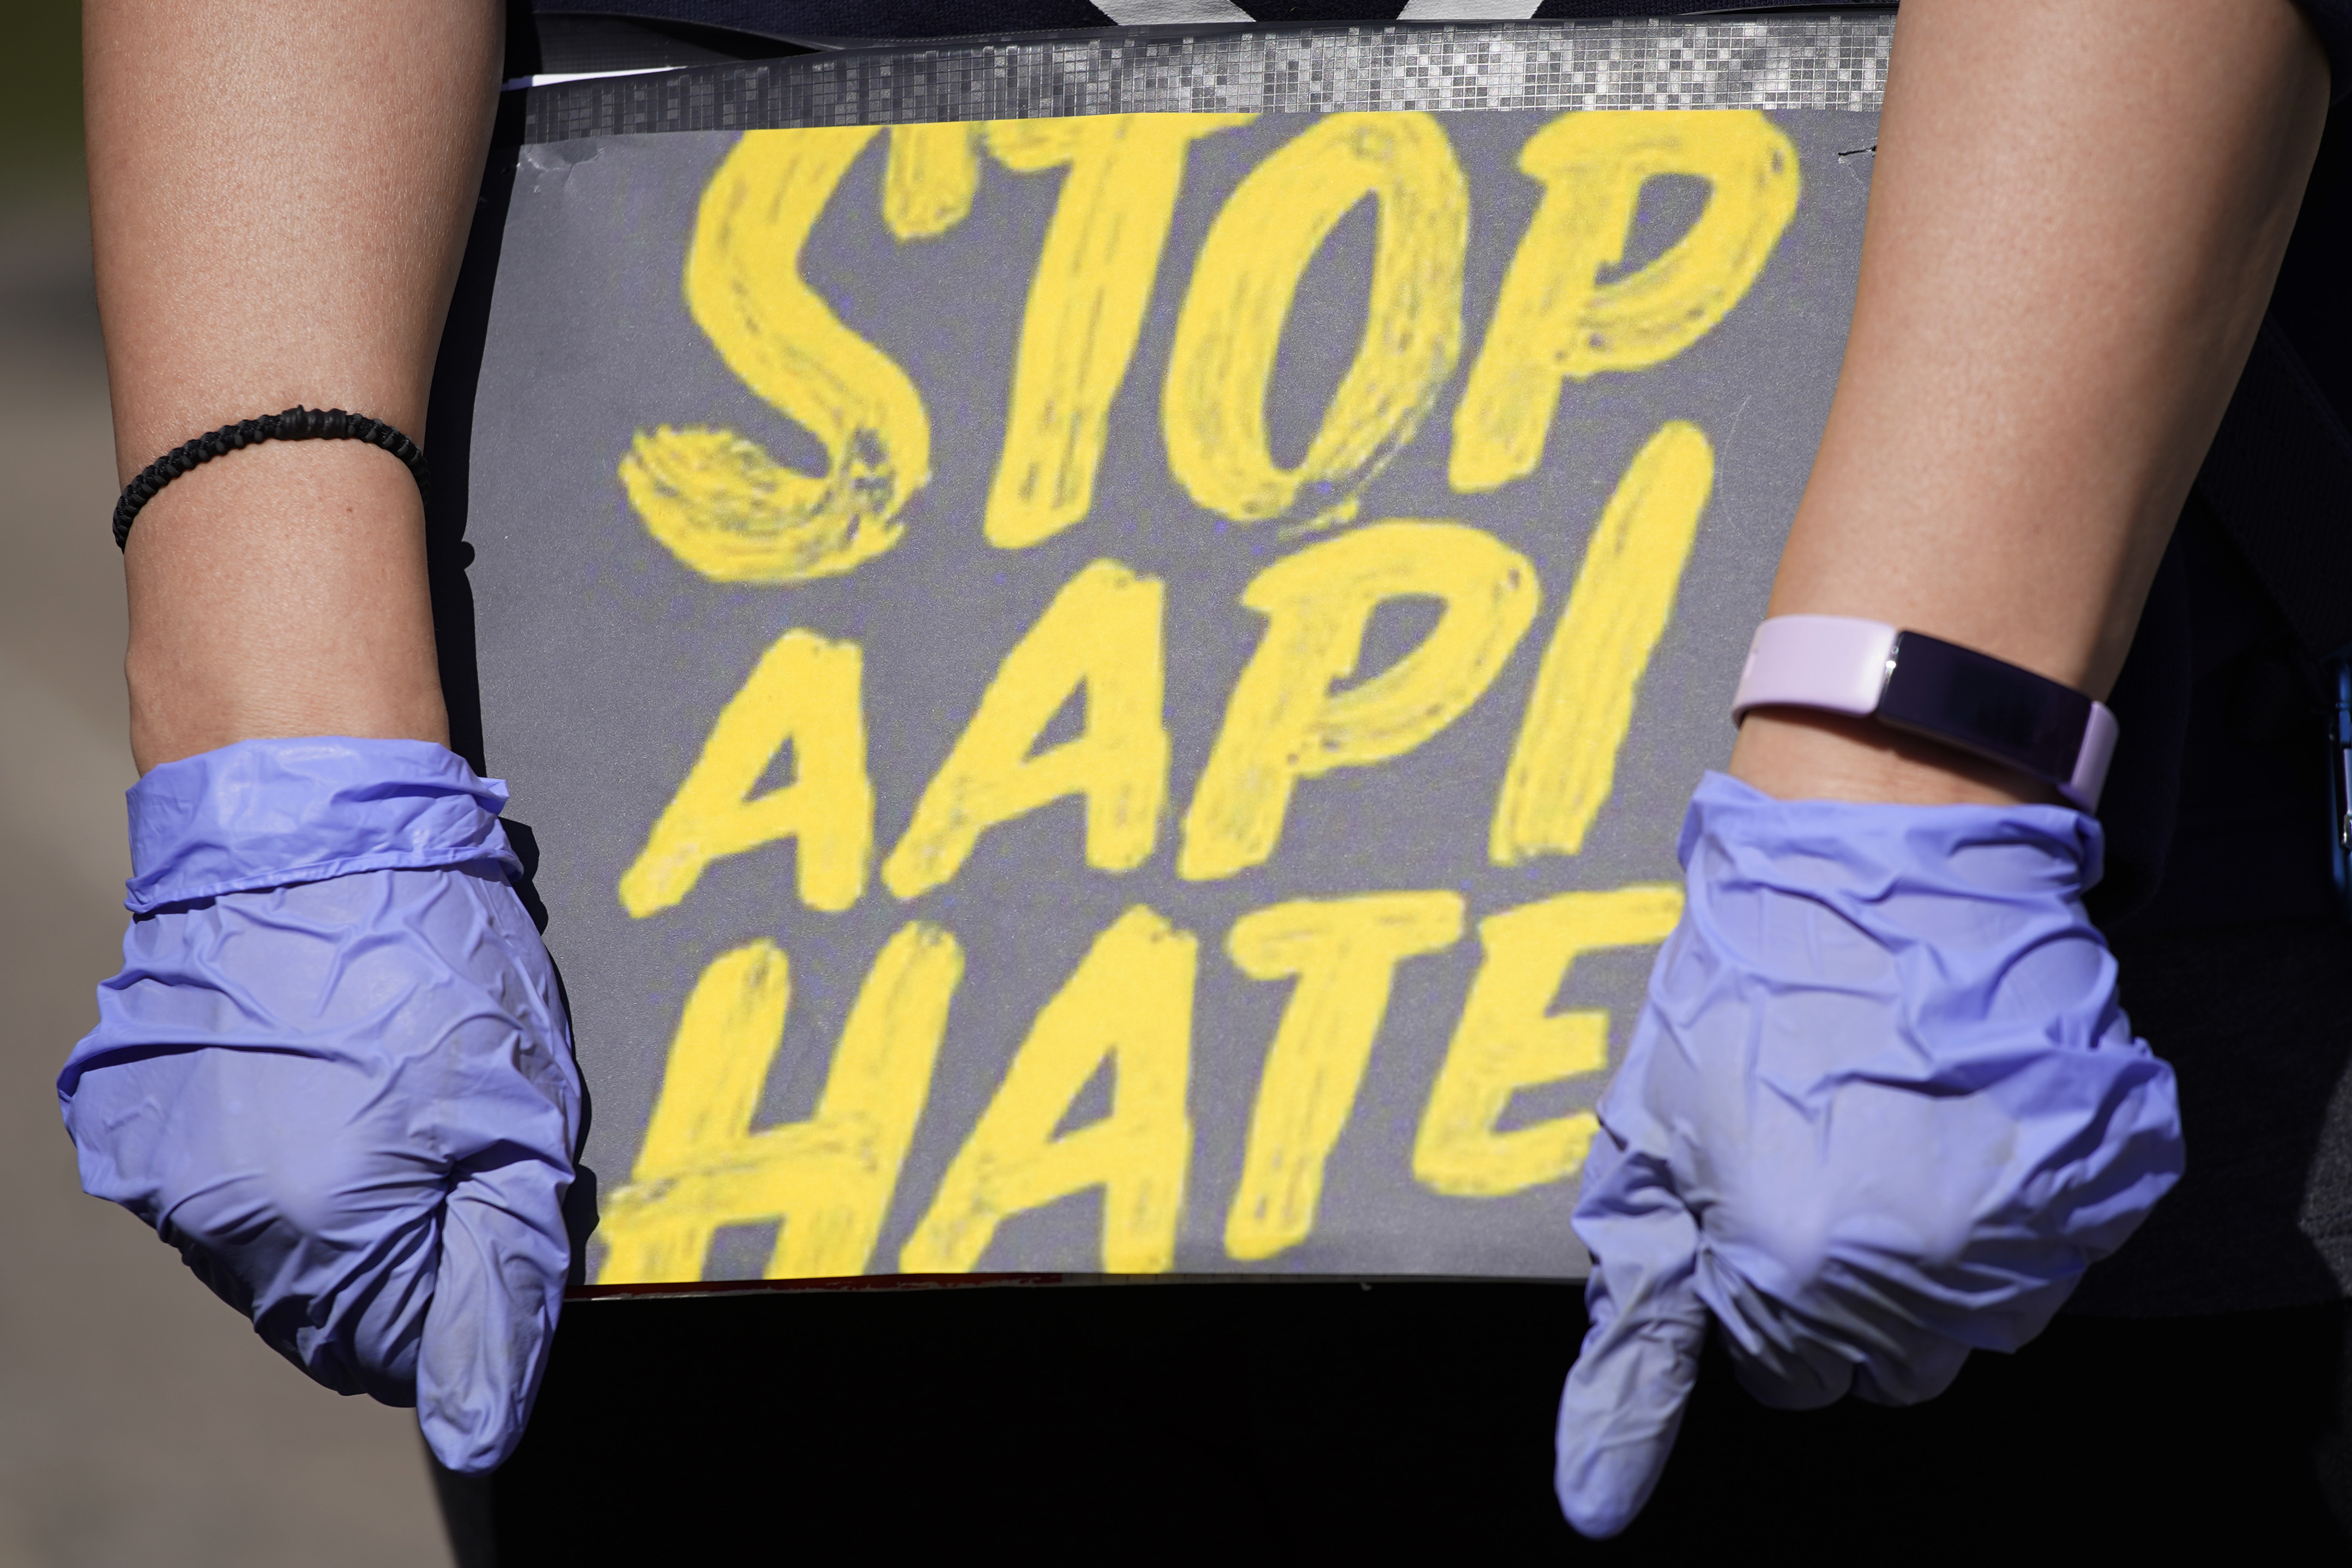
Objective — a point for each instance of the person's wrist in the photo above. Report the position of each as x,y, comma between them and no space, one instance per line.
1792,753
281,592
276,812
173,719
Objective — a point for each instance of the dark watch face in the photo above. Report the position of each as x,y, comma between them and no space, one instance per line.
1983,705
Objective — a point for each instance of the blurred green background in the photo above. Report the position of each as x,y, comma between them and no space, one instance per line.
44,51
142,1423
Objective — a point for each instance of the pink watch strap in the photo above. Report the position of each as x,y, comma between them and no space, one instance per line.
2091,762
1842,665
1832,662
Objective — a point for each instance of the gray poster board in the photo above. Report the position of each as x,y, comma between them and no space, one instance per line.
1263,843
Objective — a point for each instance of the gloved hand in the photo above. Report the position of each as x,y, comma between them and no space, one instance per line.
1882,1108
335,1073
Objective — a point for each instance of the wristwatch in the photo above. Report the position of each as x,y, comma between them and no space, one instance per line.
1908,680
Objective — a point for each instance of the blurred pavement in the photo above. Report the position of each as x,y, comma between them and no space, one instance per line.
140,1420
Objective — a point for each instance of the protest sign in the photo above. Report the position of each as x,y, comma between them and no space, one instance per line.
1114,692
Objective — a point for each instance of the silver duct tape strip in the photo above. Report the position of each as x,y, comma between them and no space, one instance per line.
1809,62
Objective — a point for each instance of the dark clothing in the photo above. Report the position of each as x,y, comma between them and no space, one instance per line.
1336,1422
2236,956
2332,20
1244,1419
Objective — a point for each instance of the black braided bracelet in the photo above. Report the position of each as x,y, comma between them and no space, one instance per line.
297,424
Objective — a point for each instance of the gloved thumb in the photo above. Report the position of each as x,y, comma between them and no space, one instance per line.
504,1255
1623,1402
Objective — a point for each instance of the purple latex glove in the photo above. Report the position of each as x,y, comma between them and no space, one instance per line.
1882,1108
335,1073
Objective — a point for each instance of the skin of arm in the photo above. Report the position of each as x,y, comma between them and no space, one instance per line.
2076,216
279,197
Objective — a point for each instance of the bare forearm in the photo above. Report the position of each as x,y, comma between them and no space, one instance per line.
279,197
2076,216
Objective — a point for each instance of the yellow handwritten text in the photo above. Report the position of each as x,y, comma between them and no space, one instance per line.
1344,953
1555,320
805,693
1565,764
1284,723
1101,633
1222,359
1086,302
1129,1003
716,500
1509,1040
928,183
828,1180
